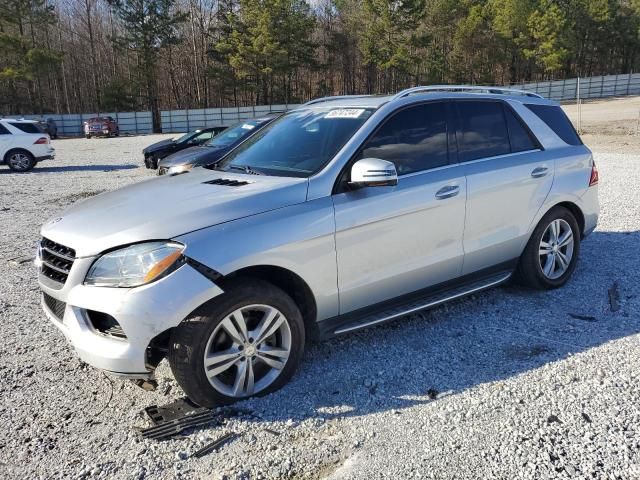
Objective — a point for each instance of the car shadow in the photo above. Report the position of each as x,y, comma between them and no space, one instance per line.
487,337
77,168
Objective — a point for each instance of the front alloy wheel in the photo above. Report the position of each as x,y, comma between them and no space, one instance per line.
246,342
247,350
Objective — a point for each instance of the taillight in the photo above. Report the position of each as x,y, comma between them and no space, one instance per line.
594,175
41,141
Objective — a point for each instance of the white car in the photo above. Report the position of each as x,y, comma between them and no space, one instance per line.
23,144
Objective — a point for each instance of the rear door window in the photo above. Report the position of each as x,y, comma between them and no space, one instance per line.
414,139
26,127
557,121
520,138
482,130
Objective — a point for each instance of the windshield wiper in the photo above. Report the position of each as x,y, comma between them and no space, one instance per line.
245,168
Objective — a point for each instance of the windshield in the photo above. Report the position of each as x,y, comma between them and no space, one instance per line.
298,144
234,133
183,138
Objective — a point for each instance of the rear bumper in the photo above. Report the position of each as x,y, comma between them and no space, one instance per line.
142,312
46,157
590,206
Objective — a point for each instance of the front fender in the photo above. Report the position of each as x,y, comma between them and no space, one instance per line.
299,238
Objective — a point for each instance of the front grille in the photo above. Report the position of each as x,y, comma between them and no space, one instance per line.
54,305
57,260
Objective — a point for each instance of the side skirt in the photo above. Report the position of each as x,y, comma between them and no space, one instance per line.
416,301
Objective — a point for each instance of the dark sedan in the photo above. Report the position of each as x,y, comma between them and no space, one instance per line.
157,151
214,149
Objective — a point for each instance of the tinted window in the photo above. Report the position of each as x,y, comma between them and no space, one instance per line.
482,131
520,138
4,131
26,127
557,121
414,139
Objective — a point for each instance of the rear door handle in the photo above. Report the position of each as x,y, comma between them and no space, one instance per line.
539,172
447,192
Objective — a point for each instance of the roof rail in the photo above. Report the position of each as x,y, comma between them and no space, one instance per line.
335,97
465,88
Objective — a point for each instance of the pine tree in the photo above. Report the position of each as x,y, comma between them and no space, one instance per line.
269,40
148,27
24,61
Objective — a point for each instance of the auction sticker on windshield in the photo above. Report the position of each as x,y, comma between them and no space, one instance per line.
345,113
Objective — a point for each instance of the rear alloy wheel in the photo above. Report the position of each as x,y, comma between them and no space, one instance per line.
556,249
246,342
21,161
552,252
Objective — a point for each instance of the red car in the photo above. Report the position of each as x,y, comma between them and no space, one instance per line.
101,126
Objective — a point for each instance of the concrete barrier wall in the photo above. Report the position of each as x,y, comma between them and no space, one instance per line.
135,123
589,87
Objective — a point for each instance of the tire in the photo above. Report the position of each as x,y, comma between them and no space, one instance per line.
545,271
20,160
206,331
87,136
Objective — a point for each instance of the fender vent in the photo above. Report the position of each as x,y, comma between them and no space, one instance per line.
227,182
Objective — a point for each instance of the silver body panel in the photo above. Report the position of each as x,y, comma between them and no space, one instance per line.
352,249
390,240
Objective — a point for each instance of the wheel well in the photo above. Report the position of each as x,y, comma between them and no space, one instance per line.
575,209
282,278
9,152
288,281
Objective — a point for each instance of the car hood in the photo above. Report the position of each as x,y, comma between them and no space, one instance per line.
158,145
168,206
193,156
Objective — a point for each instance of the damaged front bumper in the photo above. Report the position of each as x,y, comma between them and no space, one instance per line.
140,315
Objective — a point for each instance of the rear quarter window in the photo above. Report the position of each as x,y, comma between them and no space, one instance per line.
3,130
521,139
26,127
557,121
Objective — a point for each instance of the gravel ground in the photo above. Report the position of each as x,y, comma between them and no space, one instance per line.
508,384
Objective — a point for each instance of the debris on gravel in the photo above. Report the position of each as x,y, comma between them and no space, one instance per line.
511,383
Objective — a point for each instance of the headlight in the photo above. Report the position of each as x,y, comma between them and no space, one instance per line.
135,265
179,169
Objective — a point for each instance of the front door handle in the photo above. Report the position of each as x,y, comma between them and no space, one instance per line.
539,172
447,192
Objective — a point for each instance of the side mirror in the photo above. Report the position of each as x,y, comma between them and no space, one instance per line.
373,172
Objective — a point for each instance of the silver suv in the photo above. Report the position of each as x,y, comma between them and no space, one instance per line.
344,213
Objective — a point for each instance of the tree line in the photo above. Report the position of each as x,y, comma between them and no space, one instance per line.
71,56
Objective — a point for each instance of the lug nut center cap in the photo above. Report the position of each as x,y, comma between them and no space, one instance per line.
250,350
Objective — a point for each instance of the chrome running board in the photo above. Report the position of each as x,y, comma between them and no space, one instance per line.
428,301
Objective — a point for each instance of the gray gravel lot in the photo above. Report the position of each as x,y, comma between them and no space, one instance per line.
508,384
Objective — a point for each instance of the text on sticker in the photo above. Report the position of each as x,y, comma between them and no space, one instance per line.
345,113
